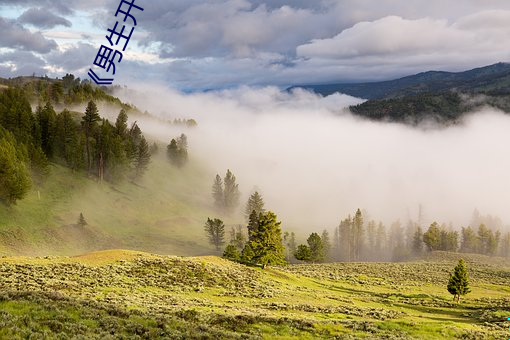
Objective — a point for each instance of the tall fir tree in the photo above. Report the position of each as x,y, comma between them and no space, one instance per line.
357,234
432,237
89,122
418,241
215,231
266,241
255,203
458,284
143,158
14,176
326,243
470,243
231,192
316,248
217,193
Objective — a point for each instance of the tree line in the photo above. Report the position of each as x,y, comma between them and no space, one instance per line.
82,142
357,240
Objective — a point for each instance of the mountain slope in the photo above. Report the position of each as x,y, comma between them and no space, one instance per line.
493,78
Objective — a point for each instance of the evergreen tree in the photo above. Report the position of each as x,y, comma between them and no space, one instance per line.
237,237
316,247
418,241
470,243
357,235
303,253
253,224
14,175
266,241
46,119
381,240
432,237
371,237
336,245
81,221
232,253
217,193
231,192
67,140
89,122
143,158
458,284
177,151
247,254
345,231
326,243
505,246
121,124
215,231
255,203
289,240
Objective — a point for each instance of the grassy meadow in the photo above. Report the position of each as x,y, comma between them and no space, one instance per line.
135,295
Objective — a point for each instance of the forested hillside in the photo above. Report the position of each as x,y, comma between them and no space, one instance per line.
72,181
443,97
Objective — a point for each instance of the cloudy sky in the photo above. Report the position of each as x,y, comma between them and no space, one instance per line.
199,44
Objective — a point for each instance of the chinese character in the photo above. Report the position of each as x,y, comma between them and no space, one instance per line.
131,5
119,35
104,56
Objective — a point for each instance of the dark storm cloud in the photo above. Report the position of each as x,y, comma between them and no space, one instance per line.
16,36
40,17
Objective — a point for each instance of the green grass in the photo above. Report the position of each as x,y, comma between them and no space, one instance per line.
138,295
164,213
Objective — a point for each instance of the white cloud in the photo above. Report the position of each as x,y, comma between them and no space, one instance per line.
483,37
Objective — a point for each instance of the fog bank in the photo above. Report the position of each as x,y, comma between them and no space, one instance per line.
315,163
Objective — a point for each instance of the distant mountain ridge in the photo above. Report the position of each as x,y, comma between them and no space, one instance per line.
493,79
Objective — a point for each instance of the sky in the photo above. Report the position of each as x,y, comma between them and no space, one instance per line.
201,45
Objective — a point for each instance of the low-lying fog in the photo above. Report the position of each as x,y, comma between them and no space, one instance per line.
315,163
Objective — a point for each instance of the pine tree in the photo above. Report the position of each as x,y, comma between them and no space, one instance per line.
237,237
143,158
255,203
505,245
177,151
357,234
289,240
345,233
458,284
81,221
14,175
418,241
247,254
381,241
217,193
303,253
326,243
253,225
232,253
121,124
67,140
215,231
89,122
432,237
266,241
231,192
46,118
470,243
316,247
